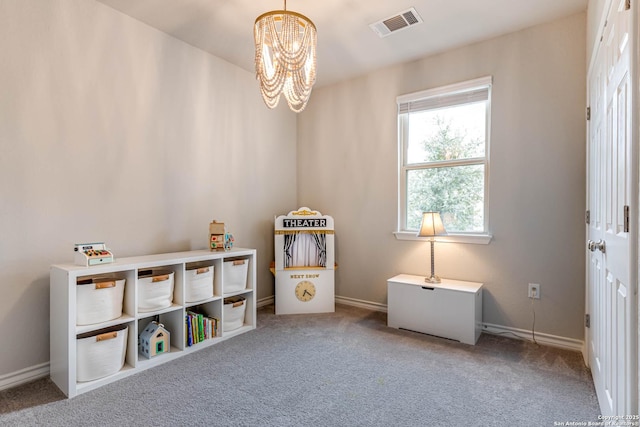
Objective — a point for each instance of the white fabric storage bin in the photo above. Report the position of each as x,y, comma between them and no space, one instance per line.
233,313
155,290
198,284
234,275
101,354
98,299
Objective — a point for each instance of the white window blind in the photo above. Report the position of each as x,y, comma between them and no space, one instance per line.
441,101
476,90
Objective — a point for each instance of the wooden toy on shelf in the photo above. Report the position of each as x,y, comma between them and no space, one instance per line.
87,254
219,238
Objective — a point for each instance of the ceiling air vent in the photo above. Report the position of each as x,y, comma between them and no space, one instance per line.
396,22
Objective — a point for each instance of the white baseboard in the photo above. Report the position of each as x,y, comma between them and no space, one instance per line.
265,301
339,300
24,376
541,338
361,303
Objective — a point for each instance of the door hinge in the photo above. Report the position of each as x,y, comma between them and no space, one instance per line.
587,321
588,113
626,218
587,217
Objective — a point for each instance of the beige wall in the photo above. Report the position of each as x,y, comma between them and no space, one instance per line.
347,168
112,131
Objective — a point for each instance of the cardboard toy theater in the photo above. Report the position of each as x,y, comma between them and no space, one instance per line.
304,264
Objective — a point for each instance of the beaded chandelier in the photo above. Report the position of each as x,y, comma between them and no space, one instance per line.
285,57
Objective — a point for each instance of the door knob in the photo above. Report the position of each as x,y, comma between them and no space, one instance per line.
599,245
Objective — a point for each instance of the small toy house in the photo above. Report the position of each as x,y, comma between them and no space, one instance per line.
219,238
216,235
154,340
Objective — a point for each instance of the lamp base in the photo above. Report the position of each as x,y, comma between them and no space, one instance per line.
432,279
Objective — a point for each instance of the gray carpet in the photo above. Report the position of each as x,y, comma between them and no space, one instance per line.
340,369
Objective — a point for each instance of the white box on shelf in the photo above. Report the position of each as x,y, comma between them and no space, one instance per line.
233,313
100,354
234,275
98,299
155,290
450,309
198,284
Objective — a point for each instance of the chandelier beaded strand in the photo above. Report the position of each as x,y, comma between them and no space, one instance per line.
285,57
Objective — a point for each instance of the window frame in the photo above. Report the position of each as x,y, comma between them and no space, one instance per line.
436,94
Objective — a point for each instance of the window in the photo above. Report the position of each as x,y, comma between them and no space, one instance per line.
444,156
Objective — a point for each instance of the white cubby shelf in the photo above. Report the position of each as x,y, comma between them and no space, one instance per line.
63,306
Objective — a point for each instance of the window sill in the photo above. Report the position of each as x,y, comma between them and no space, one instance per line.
476,239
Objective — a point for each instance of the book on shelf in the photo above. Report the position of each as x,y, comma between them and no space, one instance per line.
200,327
187,328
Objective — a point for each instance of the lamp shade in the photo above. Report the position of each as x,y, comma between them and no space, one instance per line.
431,225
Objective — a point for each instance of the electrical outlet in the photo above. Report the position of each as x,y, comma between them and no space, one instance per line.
534,290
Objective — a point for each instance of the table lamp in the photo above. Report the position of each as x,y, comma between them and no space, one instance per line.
431,226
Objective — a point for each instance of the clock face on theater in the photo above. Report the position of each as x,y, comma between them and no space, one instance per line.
305,291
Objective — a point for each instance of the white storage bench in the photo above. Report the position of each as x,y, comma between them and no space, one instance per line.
450,309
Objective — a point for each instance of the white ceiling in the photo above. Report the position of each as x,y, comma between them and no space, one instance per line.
347,47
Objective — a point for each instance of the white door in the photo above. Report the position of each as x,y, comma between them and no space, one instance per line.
612,183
